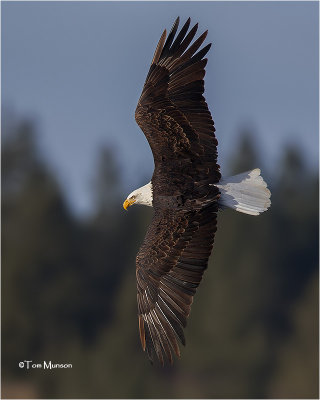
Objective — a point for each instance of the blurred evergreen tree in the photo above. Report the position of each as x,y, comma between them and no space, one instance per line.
246,155
106,244
36,262
106,188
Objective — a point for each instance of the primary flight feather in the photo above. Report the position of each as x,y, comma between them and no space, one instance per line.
186,190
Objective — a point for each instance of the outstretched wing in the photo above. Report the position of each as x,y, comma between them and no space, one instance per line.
173,113
170,265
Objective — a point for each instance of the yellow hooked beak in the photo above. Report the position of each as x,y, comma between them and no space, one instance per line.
127,203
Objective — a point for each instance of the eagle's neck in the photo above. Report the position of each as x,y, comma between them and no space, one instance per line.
143,195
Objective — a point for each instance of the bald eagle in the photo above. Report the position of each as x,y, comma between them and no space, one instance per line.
186,190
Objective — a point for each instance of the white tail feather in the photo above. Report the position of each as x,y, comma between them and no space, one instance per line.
246,193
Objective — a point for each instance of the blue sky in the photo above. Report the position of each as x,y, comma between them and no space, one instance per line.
78,68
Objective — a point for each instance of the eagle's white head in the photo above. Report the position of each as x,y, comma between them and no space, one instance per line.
142,196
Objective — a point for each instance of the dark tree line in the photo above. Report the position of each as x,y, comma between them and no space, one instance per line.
68,288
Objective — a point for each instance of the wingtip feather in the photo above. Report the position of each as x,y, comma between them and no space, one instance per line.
159,47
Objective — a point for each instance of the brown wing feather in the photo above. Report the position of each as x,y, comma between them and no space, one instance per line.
173,113
170,265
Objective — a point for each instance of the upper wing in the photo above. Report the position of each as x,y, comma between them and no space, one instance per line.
170,265
172,111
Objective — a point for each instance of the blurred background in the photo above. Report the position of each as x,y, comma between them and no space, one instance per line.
72,73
